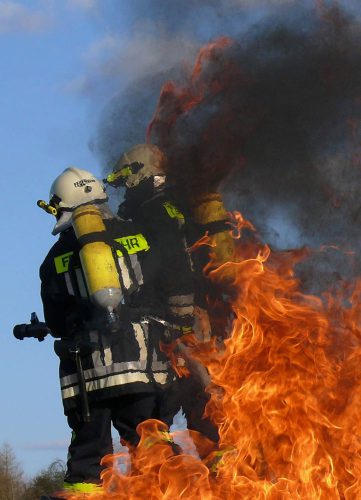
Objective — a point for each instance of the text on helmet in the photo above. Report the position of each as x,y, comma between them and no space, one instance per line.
83,182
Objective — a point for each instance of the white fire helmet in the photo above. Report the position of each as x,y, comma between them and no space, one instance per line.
138,164
72,188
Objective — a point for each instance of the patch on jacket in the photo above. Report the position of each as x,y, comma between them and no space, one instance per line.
173,211
133,243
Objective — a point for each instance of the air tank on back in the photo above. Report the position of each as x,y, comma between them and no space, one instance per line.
97,260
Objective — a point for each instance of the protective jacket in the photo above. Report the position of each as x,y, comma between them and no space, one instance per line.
165,226
166,223
129,359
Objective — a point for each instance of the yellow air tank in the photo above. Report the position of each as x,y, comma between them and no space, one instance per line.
209,210
97,259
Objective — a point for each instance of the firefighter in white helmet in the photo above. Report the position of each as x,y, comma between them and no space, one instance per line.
153,204
72,188
124,374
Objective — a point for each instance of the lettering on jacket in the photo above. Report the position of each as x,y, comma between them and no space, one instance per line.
132,243
173,211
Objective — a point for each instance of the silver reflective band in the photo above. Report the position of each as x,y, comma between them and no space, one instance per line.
103,371
159,366
160,378
111,381
137,268
81,283
178,300
69,285
124,273
141,334
182,310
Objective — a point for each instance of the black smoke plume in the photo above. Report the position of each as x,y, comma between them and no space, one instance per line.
271,117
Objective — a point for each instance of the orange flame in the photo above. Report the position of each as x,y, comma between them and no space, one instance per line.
186,98
285,394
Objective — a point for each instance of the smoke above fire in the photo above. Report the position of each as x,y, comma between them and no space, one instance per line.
270,115
268,112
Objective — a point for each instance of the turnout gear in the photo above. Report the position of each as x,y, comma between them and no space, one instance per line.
114,362
164,221
149,203
120,362
92,441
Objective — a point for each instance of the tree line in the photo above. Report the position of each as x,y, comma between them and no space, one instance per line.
14,485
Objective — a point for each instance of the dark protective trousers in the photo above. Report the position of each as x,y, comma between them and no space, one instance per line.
193,399
92,440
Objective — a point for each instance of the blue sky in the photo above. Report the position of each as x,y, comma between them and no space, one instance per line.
61,61
45,126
